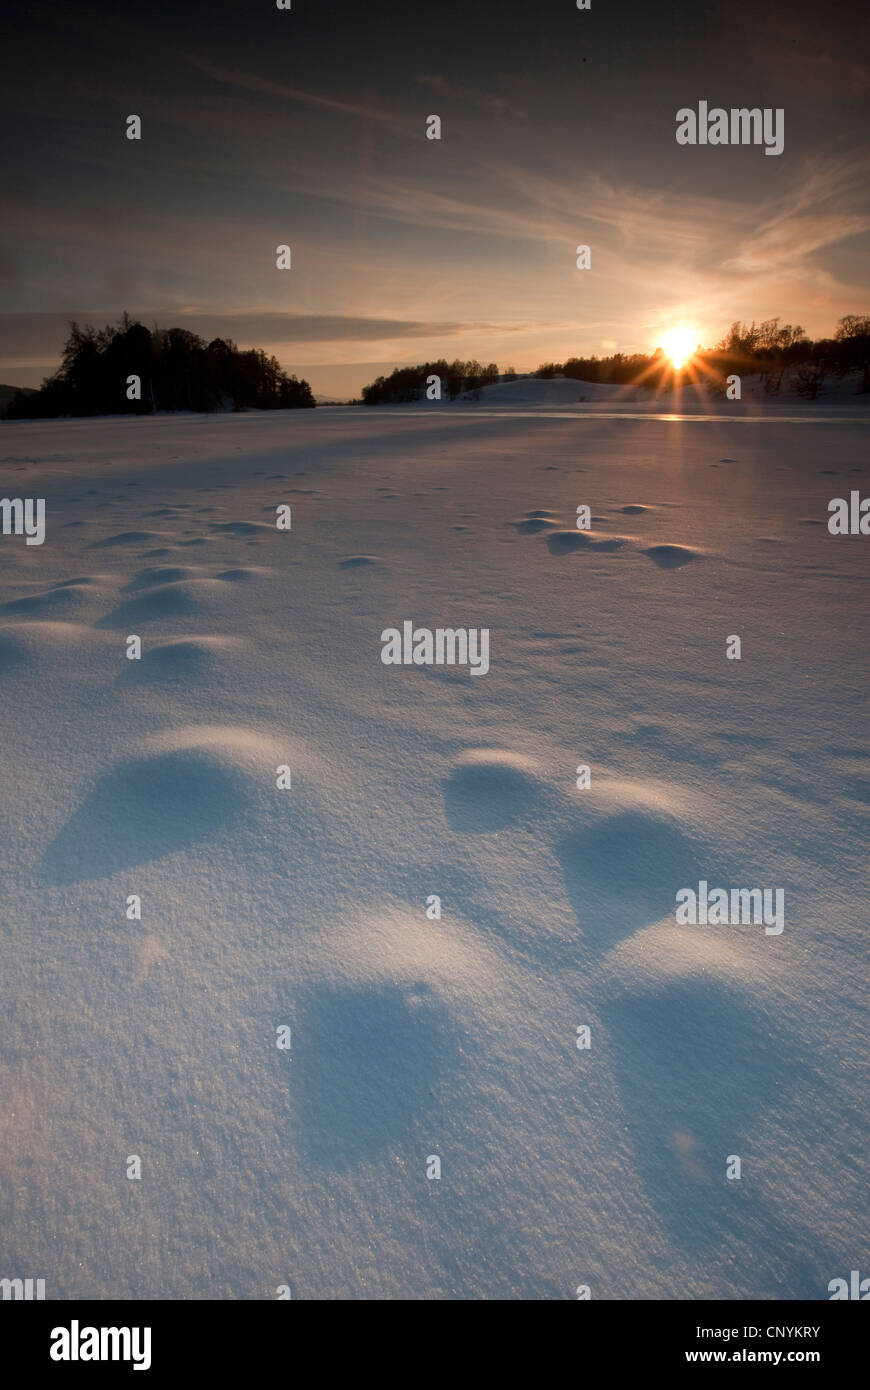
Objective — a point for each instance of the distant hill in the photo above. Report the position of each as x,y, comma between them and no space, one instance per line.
568,391
7,392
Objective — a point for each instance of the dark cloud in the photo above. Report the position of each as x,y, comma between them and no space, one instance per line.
37,334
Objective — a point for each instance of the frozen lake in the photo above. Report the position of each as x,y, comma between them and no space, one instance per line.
304,906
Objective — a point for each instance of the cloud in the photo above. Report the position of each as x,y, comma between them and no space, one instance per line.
249,82
827,204
482,101
329,328
37,336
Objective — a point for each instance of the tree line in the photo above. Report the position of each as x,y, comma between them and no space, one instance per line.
407,384
128,369
780,354
777,354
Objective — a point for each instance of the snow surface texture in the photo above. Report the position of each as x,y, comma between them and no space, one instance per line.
306,907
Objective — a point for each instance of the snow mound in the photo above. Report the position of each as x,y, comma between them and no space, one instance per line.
243,575
21,642
489,789
531,525
75,598
164,601
168,574
351,1106
240,528
83,581
623,868
670,557
699,1065
127,538
568,542
185,659
183,788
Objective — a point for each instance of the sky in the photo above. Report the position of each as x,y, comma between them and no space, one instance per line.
307,127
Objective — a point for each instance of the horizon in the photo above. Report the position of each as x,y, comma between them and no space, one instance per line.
691,354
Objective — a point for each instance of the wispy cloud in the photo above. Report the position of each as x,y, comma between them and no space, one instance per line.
829,203
481,101
334,328
251,82
39,336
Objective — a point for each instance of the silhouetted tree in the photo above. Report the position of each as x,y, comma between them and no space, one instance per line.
852,350
406,384
770,350
810,373
176,370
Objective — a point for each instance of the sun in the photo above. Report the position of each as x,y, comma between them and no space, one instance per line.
679,345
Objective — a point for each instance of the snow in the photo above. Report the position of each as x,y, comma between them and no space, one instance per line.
306,906
689,395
